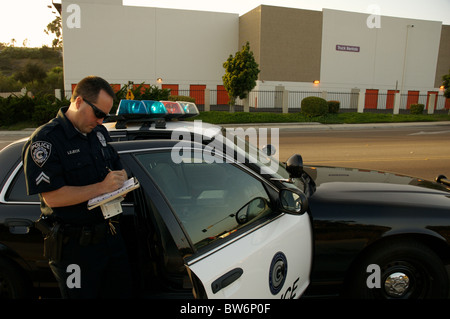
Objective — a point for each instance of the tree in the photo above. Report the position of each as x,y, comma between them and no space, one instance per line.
241,73
30,73
446,83
56,28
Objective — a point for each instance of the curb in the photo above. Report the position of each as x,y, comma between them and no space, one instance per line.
319,126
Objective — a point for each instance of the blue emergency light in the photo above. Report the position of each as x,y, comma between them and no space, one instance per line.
149,110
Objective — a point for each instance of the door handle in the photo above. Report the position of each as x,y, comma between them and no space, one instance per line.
226,279
18,225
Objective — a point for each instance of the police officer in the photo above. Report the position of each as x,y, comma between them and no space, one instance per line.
67,162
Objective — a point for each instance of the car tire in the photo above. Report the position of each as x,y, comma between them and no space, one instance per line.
404,270
13,284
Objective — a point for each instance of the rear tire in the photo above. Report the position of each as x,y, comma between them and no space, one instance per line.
408,270
13,284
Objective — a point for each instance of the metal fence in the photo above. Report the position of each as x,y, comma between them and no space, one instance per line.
273,100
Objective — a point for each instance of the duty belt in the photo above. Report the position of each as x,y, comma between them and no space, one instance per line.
88,234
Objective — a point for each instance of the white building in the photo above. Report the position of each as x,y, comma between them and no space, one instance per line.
293,47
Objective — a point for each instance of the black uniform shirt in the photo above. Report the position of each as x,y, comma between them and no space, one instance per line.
57,154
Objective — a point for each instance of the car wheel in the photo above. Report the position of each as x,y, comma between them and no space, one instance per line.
13,285
402,270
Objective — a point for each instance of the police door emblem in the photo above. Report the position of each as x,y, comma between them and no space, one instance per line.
101,138
40,152
277,272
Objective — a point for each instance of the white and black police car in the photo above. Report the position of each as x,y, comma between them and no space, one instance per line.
207,221
215,217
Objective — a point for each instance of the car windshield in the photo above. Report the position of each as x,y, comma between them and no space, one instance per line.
246,151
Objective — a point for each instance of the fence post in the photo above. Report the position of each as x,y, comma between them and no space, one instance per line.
354,98
397,99
361,99
431,101
58,94
278,98
207,106
285,104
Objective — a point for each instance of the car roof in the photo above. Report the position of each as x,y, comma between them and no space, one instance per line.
139,145
162,129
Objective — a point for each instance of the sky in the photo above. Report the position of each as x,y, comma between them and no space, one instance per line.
26,20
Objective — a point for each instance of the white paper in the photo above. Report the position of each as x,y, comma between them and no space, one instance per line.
130,183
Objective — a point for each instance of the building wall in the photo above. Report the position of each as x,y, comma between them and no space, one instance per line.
443,64
250,30
381,57
291,41
141,44
286,42
293,47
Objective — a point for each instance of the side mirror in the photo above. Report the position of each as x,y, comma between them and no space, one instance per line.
293,201
269,150
251,210
294,166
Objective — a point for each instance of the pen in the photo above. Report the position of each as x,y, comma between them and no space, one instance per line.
109,170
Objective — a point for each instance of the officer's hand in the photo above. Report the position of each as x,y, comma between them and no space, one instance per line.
114,180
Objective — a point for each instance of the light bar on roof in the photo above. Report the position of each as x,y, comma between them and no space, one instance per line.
174,109
131,107
142,109
155,107
189,107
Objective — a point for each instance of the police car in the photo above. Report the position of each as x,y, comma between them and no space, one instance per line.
203,224
216,217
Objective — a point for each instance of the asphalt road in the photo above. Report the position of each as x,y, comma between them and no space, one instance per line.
422,150
416,149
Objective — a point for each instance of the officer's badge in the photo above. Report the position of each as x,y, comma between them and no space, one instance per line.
40,152
102,139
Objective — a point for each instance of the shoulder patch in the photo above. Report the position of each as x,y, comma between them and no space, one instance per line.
40,152
101,138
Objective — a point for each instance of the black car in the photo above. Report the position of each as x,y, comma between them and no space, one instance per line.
375,234
195,228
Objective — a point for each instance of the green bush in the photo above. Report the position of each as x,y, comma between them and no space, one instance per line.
38,109
44,113
314,106
181,98
333,107
416,108
14,109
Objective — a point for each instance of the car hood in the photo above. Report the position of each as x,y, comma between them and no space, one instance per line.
356,186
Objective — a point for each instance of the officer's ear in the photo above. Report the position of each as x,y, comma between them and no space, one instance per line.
78,102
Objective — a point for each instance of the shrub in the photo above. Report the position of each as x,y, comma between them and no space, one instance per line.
333,107
314,106
181,98
44,113
416,108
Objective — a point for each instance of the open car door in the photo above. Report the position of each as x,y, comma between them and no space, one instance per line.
250,239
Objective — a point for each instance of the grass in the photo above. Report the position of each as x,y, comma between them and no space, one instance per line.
218,117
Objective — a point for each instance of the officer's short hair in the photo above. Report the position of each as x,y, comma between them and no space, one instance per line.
90,87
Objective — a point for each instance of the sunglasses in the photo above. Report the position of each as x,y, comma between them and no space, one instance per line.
97,112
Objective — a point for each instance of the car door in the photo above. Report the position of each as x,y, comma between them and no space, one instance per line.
245,244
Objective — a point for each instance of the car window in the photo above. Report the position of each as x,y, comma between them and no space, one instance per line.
212,200
17,191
